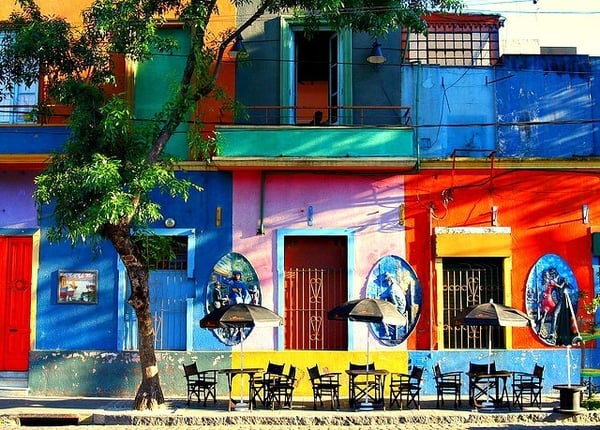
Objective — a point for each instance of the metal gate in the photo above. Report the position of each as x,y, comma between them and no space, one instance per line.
470,282
309,294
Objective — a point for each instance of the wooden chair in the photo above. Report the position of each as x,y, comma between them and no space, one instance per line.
260,385
357,385
327,384
478,386
281,389
406,384
528,385
447,383
202,383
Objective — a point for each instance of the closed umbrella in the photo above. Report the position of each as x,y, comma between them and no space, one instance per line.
368,310
493,315
241,315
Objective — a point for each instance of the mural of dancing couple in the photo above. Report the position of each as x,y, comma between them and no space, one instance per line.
551,299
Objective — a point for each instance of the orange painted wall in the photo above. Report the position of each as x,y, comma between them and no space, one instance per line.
542,208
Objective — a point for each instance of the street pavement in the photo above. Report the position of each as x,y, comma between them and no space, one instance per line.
45,413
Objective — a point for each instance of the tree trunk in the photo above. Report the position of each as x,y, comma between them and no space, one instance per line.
149,395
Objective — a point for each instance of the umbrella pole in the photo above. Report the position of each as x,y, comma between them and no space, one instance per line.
366,405
241,406
487,404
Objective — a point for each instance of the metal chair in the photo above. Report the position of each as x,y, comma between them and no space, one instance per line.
528,385
260,385
447,383
281,389
327,384
406,384
202,383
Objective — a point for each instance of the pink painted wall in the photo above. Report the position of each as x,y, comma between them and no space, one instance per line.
364,204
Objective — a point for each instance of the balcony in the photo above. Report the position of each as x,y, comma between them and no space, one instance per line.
360,138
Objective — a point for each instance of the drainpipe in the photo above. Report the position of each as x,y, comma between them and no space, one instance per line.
261,224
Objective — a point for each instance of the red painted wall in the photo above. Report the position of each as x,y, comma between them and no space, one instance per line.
542,208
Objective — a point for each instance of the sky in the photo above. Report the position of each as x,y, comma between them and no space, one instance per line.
548,23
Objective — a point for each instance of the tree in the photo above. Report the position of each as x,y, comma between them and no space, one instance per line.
100,184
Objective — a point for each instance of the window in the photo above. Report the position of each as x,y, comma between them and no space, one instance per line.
455,40
315,75
17,107
467,282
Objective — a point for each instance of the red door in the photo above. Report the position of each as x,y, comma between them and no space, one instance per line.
316,280
15,300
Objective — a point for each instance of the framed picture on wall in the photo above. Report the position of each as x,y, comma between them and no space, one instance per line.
78,286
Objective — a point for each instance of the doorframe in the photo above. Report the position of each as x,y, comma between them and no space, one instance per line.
279,296
35,235
122,283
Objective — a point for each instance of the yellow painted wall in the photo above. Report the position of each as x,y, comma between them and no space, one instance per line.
328,361
71,9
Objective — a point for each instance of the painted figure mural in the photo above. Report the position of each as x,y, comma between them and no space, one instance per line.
549,281
394,280
233,280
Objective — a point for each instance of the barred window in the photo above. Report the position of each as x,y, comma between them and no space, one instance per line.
468,282
455,40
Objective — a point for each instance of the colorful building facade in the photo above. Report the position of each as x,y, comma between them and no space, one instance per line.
458,179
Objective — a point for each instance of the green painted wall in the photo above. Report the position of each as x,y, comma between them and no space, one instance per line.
280,141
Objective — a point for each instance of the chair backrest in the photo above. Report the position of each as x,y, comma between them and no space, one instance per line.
482,368
275,368
354,366
190,369
292,374
538,371
437,370
416,373
313,373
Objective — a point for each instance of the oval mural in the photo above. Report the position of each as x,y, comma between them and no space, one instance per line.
233,280
548,281
394,280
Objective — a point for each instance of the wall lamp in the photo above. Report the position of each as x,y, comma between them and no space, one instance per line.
585,214
494,216
238,49
376,56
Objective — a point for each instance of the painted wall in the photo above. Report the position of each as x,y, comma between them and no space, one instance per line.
365,205
94,327
542,208
17,208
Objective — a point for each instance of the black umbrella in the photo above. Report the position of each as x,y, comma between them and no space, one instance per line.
567,332
240,316
493,315
370,311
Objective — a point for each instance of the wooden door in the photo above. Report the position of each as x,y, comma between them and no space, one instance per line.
15,300
316,280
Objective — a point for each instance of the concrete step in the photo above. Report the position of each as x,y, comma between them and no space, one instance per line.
13,384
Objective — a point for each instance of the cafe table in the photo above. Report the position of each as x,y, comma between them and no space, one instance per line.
490,388
370,394
231,373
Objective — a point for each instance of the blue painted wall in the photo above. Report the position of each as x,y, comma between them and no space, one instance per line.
32,139
94,327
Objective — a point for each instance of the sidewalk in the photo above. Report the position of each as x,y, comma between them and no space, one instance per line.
46,412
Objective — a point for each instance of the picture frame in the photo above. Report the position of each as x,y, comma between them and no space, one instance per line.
77,287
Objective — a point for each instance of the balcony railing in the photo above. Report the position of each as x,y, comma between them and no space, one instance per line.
340,115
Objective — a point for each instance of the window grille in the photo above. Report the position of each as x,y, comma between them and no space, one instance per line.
468,282
452,40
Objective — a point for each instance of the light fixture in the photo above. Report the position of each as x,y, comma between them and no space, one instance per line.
238,49
376,55
494,216
585,214
218,215
170,223
401,214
